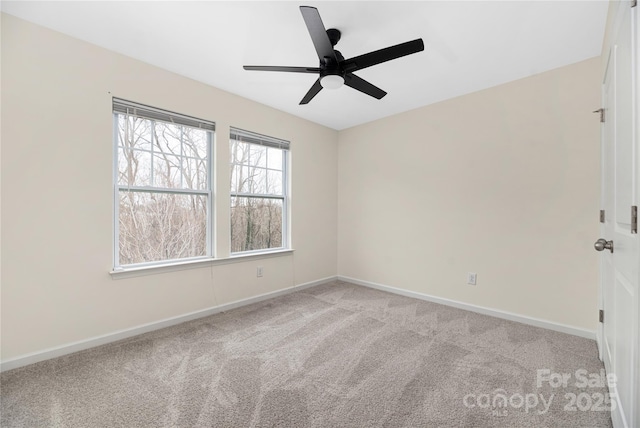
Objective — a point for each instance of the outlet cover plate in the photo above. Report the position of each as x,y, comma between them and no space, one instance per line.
471,278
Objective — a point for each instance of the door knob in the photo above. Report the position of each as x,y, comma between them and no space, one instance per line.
602,244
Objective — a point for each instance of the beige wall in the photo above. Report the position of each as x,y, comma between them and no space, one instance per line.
503,182
57,194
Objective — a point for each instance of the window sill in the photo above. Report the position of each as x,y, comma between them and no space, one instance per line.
195,264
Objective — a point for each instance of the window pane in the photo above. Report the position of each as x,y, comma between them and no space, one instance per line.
194,173
168,137
257,180
157,226
166,171
239,152
134,167
258,155
195,142
274,180
134,132
274,158
249,179
242,178
256,224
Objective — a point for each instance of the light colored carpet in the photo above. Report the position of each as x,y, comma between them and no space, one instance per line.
335,355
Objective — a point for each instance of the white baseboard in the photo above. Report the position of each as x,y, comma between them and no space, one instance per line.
134,331
550,325
81,345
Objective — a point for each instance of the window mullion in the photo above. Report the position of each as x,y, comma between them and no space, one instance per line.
153,175
181,156
256,196
177,191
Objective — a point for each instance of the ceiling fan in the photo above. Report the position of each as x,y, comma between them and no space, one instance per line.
334,70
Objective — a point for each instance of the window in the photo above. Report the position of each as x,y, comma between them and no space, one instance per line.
162,185
258,192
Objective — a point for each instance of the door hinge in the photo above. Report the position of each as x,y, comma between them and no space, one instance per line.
601,216
634,219
601,316
601,111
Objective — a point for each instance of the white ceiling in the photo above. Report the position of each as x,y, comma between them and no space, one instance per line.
469,45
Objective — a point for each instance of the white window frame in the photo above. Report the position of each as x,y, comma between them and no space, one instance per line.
244,136
153,114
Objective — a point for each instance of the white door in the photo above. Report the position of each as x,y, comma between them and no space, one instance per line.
619,268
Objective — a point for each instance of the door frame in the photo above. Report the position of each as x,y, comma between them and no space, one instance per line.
635,36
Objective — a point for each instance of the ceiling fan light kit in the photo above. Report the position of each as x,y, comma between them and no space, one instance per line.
335,71
332,81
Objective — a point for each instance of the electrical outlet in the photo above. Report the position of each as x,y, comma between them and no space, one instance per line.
259,272
471,278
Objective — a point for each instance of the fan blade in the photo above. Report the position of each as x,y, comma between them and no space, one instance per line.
362,85
383,55
276,68
317,87
318,33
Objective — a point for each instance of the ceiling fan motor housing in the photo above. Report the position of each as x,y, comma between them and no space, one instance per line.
329,67
334,36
